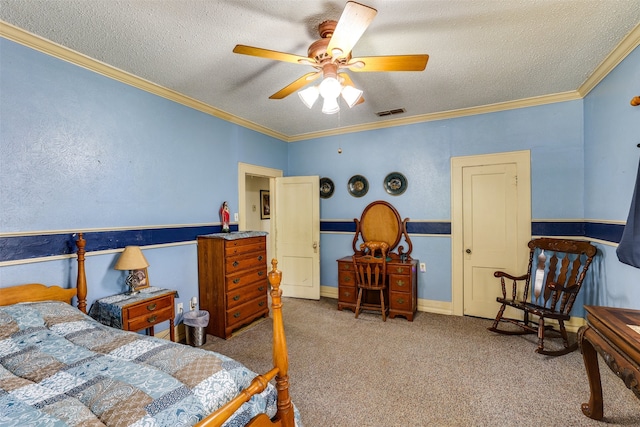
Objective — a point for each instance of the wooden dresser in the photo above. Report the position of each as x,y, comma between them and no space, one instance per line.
402,292
380,222
232,279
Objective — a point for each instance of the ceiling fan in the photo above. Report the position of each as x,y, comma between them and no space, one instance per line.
331,54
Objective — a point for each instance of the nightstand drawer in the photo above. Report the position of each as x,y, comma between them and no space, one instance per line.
149,319
148,307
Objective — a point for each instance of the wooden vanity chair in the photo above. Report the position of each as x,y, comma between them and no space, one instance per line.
556,277
371,275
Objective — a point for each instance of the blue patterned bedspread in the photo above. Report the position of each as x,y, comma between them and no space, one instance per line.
60,367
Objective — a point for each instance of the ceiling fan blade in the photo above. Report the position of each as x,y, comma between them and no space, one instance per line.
389,63
346,81
272,54
298,84
353,22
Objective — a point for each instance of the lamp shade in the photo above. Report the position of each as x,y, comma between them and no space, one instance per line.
131,258
309,96
351,95
330,106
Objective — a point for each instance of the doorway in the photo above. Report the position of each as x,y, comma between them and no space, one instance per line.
491,225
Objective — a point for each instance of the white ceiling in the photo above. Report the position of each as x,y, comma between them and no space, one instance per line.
481,52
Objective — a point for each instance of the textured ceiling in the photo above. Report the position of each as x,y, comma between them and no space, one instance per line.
481,52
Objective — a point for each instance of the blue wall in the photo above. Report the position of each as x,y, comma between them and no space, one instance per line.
79,151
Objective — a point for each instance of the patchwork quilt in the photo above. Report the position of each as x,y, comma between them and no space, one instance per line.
62,368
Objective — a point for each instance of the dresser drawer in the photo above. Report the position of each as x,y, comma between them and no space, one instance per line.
399,283
149,319
346,278
245,294
239,315
347,294
400,301
148,307
345,266
235,247
245,262
244,278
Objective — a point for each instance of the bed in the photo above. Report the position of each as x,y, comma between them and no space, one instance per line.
61,367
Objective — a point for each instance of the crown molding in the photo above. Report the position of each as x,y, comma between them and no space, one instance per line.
18,35
621,51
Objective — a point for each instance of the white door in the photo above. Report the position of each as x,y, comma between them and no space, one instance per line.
490,237
491,207
297,235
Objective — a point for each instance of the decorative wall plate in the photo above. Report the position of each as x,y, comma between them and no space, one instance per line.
326,188
395,183
358,186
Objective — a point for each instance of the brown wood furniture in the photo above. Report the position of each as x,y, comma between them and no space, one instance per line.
371,275
280,371
232,280
380,222
557,276
140,311
608,333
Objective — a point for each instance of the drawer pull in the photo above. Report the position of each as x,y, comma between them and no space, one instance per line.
347,279
236,263
261,288
260,258
400,283
261,303
400,300
236,315
152,306
236,298
236,281
260,273
347,294
347,266
152,319
400,269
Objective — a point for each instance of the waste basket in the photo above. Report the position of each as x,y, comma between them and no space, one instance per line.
196,322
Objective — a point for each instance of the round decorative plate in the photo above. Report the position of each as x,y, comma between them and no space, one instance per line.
358,186
395,183
326,188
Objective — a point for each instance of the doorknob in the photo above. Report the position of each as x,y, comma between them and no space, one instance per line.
315,247
468,251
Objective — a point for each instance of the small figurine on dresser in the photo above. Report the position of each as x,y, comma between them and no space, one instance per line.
224,217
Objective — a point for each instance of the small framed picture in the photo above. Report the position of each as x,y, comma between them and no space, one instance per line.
140,278
265,206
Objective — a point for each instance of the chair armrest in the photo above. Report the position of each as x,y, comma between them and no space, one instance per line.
514,290
508,276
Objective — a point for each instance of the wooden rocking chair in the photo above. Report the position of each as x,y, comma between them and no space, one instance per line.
557,277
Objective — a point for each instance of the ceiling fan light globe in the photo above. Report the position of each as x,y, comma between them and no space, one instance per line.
330,106
309,96
330,88
351,95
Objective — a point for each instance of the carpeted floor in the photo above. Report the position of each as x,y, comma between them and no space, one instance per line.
435,371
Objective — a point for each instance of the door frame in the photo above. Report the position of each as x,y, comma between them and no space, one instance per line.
246,170
522,159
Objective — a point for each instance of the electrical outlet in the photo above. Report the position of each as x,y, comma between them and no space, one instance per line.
423,267
194,303
180,308
235,217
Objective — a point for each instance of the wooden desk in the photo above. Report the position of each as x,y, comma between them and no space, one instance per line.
402,290
607,333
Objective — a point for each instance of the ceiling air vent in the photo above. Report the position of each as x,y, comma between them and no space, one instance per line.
390,112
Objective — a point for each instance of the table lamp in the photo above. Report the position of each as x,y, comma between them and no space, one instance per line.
132,259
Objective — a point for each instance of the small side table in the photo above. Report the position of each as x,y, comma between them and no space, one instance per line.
136,312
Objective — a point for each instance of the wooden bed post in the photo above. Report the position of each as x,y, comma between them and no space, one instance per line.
280,353
81,284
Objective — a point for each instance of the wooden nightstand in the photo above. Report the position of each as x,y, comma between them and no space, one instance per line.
136,312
